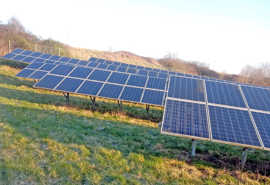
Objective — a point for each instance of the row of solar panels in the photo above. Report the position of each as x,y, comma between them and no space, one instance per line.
96,82
221,112
226,94
31,57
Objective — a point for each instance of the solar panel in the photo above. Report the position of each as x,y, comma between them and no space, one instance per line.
49,82
80,72
185,119
69,85
224,93
47,67
9,55
156,83
122,69
28,59
111,91
132,94
262,121
119,78
35,65
83,62
18,57
186,88
90,88
99,75
38,75
136,80
25,73
257,98
36,54
153,97
112,67
26,52
62,69
45,56
232,125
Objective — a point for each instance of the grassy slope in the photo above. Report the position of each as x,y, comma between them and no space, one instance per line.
42,141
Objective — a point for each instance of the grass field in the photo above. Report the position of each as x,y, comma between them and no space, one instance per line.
43,141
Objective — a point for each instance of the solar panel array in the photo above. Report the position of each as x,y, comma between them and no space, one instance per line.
217,111
195,107
94,81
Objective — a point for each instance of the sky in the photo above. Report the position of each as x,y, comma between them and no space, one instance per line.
225,34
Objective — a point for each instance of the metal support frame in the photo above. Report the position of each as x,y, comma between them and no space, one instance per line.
147,108
120,104
93,100
244,158
193,151
67,98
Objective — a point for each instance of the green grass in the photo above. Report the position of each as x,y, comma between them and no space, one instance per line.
43,141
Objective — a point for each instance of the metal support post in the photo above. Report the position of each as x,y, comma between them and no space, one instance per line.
244,158
93,100
147,108
67,98
193,152
120,104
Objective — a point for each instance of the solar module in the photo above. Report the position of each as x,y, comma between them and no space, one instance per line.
119,78
257,98
132,94
156,83
224,93
25,73
232,125
136,80
262,121
37,75
49,82
69,85
99,75
186,88
90,88
80,72
153,97
185,119
62,69
111,91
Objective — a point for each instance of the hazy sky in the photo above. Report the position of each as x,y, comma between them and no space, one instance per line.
226,34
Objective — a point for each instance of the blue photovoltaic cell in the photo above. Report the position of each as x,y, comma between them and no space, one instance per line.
54,57
90,88
36,54
232,125
17,50
83,62
136,80
152,73
38,60
18,57
153,97
26,52
140,67
111,91
47,67
119,78
224,93
80,72
186,88
62,69
35,65
9,55
132,94
162,75
69,85
112,67
156,83
45,56
49,82
185,118
38,75
64,59
93,59
25,73
99,75
132,70
73,61
263,124
93,64
257,98
28,59
142,72
102,66
123,65
122,69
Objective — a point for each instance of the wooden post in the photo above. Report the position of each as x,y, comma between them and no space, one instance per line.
120,104
67,98
147,108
